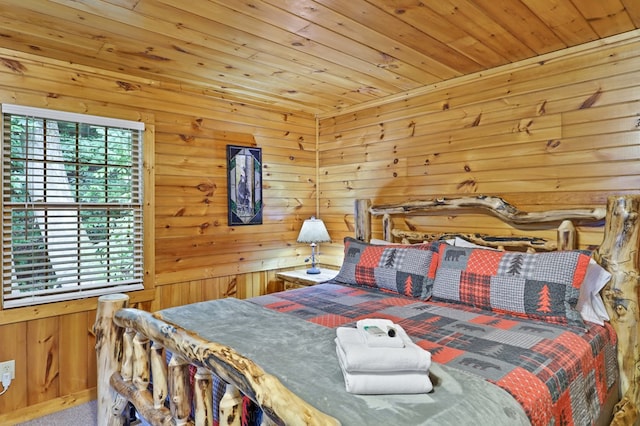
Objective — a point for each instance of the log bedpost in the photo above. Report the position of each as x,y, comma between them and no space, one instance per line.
618,253
109,355
363,220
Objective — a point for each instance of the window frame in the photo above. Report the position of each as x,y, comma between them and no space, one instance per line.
142,208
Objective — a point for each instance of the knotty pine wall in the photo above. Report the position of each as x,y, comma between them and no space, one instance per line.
561,131
197,256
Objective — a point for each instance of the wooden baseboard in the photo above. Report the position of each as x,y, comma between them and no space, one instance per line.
48,407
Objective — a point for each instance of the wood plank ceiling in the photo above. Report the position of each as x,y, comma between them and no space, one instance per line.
318,56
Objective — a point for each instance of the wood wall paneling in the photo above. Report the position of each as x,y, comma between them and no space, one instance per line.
196,255
14,346
560,132
43,361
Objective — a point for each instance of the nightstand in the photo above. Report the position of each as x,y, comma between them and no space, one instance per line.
300,278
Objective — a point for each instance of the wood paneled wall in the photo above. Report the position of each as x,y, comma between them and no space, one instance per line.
197,256
562,131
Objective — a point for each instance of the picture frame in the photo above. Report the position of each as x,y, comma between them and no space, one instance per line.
244,189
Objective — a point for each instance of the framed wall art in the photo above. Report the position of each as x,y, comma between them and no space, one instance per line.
244,169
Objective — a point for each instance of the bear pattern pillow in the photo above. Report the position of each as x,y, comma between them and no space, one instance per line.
542,286
403,269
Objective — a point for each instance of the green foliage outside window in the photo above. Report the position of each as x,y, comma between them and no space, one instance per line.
96,166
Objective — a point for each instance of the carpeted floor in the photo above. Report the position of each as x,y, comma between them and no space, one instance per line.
80,415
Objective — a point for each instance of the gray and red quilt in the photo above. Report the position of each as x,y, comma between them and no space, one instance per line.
559,374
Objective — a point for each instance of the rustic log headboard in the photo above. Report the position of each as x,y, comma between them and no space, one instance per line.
618,253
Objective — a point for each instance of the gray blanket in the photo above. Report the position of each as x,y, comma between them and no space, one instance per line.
302,355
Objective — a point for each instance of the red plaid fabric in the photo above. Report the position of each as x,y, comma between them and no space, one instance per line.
365,275
475,289
484,262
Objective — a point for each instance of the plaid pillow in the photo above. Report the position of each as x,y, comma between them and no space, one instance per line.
403,269
542,286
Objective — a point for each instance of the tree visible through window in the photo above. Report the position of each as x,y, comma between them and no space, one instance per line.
72,206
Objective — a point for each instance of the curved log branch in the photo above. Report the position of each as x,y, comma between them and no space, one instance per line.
495,205
277,402
481,239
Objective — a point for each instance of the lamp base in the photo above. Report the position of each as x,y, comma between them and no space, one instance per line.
313,270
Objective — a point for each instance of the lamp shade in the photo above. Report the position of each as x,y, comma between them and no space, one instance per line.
313,231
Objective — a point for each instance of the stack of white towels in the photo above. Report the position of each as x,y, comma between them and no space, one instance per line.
378,357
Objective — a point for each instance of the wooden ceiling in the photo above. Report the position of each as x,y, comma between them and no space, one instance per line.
313,55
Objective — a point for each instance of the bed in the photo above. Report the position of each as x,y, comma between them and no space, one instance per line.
499,357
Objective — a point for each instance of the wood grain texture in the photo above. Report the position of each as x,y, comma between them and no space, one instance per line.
203,396
552,135
43,374
619,255
231,407
109,352
74,363
159,374
311,55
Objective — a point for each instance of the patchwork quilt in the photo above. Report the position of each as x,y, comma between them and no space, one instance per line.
559,374
308,366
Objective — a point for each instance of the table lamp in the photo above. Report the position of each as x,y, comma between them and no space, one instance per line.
313,231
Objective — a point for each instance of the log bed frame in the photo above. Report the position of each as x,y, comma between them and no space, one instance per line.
130,343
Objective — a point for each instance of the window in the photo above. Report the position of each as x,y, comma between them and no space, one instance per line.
72,206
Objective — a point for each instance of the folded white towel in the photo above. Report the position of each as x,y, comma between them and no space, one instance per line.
359,358
385,383
389,336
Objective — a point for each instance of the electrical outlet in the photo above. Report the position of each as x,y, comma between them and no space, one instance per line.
8,367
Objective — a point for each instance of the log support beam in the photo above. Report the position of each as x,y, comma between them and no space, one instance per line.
619,254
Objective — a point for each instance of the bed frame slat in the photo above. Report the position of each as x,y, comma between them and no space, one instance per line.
159,375
203,394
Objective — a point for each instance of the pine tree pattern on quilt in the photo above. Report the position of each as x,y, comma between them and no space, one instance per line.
405,269
542,286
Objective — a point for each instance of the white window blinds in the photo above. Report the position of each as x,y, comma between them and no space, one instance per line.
71,206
